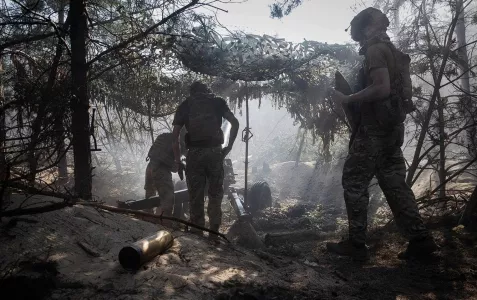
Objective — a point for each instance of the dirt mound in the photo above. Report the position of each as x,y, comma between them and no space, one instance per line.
83,244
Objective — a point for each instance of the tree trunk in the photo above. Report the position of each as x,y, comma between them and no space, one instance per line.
300,149
79,101
59,128
442,148
3,160
396,20
466,99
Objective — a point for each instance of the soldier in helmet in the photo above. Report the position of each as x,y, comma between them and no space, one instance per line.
201,113
375,149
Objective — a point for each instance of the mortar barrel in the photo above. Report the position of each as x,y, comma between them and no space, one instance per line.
132,257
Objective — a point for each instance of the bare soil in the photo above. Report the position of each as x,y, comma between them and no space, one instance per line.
72,253
42,259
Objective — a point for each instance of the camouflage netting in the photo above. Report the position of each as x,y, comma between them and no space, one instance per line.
237,67
295,76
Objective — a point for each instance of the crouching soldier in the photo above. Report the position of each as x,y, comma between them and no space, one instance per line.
158,173
201,113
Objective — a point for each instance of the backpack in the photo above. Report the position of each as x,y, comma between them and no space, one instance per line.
393,111
204,123
161,150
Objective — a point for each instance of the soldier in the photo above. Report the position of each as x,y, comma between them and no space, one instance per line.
376,146
201,113
158,173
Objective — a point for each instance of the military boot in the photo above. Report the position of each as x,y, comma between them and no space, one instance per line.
346,248
419,248
213,238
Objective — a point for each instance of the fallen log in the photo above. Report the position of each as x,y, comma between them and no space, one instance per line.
280,238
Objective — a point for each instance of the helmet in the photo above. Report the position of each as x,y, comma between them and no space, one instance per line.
199,88
368,17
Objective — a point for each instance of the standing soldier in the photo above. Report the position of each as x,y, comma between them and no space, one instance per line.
376,146
201,113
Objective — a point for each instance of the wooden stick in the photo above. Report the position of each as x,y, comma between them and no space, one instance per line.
70,201
149,215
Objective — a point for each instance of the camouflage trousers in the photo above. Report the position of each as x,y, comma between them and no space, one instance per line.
378,153
205,164
159,179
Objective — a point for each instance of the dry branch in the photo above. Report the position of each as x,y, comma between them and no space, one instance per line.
448,179
70,201
149,215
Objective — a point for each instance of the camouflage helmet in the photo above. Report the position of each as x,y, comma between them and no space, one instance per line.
368,17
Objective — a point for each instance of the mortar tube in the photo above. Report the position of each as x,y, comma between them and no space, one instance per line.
132,257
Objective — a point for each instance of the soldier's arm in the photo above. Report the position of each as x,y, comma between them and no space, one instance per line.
177,124
377,57
378,90
229,116
176,147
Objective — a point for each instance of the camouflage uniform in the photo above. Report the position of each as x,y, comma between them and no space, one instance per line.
159,179
158,173
205,164
202,115
375,152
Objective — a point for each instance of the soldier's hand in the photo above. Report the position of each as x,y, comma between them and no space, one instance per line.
339,97
226,151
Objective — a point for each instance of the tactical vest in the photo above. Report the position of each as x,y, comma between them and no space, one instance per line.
161,150
204,124
393,110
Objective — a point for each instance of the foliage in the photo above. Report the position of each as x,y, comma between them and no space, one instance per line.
429,31
283,7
